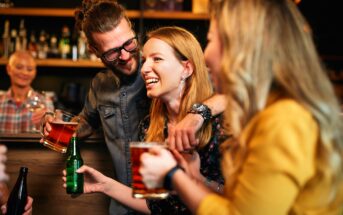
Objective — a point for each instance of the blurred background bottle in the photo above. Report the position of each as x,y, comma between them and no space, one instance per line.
64,44
82,46
6,3
22,35
18,197
170,5
53,49
32,46
6,39
14,40
42,47
74,161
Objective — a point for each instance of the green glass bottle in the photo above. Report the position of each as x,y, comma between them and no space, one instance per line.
74,161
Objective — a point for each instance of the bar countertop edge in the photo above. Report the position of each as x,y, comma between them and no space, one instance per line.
35,137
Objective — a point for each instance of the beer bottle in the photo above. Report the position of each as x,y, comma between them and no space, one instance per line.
18,197
74,161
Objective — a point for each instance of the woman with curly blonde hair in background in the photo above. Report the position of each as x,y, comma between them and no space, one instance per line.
288,153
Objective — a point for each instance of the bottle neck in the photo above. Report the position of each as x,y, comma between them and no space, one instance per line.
22,174
74,147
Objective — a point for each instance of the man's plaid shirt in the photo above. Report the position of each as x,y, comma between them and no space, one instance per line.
15,117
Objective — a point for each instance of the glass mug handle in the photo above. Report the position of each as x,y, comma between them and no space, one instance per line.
43,121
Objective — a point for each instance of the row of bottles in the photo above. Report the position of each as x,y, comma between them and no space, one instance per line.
46,46
164,5
18,196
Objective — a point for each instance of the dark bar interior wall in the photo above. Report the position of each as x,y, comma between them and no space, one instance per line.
323,16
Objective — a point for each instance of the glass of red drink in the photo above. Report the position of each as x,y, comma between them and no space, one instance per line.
139,190
63,127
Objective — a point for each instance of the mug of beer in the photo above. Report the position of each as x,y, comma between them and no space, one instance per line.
63,127
139,190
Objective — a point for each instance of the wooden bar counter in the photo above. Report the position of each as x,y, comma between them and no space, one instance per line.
44,178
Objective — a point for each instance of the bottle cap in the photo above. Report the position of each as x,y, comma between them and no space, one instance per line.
24,169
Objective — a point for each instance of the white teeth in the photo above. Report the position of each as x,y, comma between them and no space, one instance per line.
152,80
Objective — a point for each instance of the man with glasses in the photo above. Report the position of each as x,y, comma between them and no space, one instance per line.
112,55
117,99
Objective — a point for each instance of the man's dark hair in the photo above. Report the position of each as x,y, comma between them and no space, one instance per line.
99,16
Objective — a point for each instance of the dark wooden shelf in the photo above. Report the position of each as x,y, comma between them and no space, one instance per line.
63,63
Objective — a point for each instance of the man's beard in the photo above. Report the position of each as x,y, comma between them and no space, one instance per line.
123,77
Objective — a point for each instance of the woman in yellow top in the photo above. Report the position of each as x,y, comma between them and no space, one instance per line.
287,157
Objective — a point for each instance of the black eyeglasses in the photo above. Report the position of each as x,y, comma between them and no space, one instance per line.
130,45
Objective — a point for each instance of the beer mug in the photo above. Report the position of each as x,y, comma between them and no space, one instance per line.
63,127
139,190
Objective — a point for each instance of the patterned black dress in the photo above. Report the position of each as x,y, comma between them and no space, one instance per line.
210,168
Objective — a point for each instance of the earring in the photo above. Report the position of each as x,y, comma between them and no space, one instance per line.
181,86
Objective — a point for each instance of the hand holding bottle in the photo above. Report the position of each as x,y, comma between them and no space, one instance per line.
3,176
27,209
74,179
3,158
19,202
94,181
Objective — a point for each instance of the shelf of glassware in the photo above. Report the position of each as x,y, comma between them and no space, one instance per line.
53,12
63,63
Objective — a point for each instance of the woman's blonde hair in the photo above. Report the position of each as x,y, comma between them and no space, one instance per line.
269,48
197,86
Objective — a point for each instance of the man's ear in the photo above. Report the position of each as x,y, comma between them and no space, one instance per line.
92,50
188,69
8,68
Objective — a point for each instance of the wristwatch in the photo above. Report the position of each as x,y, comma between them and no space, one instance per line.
201,109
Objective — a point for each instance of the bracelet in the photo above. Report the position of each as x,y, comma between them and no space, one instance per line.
203,110
207,182
219,187
167,183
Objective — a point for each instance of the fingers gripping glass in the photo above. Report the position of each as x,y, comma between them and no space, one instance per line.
130,45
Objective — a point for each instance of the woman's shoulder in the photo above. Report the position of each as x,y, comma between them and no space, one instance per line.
285,124
288,109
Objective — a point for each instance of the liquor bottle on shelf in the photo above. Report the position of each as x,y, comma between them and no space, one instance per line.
42,47
22,35
6,40
74,161
64,44
53,49
32,46
82,46
14,41
6,3
170,5
73,44
18,197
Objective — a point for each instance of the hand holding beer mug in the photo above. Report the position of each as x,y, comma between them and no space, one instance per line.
139,190
63,126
